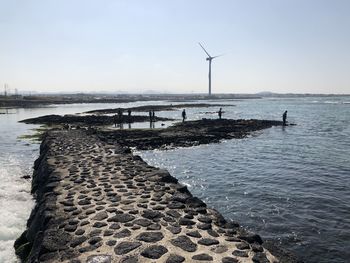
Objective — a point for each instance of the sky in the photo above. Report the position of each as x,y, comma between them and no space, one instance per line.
283,46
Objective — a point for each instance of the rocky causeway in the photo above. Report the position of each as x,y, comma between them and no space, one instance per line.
96,202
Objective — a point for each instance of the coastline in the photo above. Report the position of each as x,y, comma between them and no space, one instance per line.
86,209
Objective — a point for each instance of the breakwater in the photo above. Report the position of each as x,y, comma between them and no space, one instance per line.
96,201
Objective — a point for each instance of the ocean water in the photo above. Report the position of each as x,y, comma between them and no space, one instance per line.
291,185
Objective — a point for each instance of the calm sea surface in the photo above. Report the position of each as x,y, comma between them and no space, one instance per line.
290,185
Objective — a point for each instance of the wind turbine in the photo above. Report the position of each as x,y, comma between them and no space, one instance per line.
209,58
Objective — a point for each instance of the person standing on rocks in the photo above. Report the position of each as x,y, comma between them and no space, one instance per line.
220,113
153,115
120,115
129,115
284,117
150,116
115,120
183,115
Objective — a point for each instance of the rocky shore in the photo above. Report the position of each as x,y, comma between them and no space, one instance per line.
186,134
96,202
88,120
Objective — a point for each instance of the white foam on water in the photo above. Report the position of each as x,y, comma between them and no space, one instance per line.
15,205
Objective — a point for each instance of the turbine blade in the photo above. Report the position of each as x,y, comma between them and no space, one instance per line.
218,56
204,49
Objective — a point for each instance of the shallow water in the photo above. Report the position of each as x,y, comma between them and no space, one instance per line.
288,184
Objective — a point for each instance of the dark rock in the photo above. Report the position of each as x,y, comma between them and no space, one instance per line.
77,241
150,236
184,243
176,205
251,238
203,257
229,260
55,240
94,240
99,224
100,216
240,253
154,251
195,234
212,233
150,214
142,222
122,218
111,243
186,222
130,259
205,219
173,213
204,226
173,258
123,233
195,202
260,258
125,247
70,228
154,226
257,248
243,246
174,229
208,242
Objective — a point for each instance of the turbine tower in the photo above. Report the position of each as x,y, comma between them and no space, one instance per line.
209,58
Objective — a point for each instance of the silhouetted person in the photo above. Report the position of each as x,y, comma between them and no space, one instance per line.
183,115
115,120
153,116
284,116
220,113
150,116
120,115
129,115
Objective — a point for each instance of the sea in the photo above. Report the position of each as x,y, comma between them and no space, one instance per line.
291,185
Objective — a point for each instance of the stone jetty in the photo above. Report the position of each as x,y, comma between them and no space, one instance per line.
98,203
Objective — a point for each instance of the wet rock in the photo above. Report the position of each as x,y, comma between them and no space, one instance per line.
154,251
184,243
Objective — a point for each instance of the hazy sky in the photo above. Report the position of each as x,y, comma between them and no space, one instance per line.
83,45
